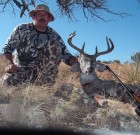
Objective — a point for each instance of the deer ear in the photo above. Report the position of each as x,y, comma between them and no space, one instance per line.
75,67
81,56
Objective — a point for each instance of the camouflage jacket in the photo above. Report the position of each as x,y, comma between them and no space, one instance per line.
27,41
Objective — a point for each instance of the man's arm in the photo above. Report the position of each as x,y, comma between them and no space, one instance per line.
8,57
72,60
66,56
11,67
10,45
13,41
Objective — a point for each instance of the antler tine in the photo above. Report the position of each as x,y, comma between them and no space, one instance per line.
109,49
72,35
111,43
73,46
83,47
96,50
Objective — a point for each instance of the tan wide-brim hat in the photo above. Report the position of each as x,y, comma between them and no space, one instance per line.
41,7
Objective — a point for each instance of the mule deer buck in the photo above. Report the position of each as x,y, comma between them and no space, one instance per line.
89,80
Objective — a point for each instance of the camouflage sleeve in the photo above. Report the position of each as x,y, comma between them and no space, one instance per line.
12,42
66,55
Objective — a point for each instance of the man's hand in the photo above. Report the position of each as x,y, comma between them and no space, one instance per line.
75,67
72,61
11,68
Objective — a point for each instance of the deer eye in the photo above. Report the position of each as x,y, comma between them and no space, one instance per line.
82,61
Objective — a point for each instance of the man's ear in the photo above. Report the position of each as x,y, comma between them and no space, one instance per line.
75,67
33,17
50,18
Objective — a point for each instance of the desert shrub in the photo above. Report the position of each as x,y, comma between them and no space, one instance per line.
117,61
136,57
132,73
107,62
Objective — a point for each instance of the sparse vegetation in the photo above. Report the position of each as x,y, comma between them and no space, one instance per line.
136,57
117,61
132,73
78,112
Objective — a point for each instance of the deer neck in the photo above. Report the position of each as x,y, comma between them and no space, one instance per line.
93,88
87,78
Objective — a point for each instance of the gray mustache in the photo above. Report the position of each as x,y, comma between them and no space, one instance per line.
41,20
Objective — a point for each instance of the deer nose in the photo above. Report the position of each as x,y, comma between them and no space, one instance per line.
90,70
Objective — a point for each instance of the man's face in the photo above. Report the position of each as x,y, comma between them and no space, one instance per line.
41,18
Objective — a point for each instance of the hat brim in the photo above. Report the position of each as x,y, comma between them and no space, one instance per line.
32,12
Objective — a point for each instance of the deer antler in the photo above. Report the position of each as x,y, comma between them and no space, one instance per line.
110,48
73,46
107,51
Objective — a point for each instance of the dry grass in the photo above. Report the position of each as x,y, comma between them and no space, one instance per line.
80,111
132,73
2,65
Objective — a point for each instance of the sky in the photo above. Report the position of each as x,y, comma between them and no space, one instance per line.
125,33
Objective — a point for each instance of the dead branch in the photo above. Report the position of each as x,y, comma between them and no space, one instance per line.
90,8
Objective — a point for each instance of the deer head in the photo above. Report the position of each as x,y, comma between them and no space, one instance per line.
88,62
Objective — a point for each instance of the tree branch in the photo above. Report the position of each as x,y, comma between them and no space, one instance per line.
67,8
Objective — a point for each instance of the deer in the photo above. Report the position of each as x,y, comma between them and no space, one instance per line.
91,84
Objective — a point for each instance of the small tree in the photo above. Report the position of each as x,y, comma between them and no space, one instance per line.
136,57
